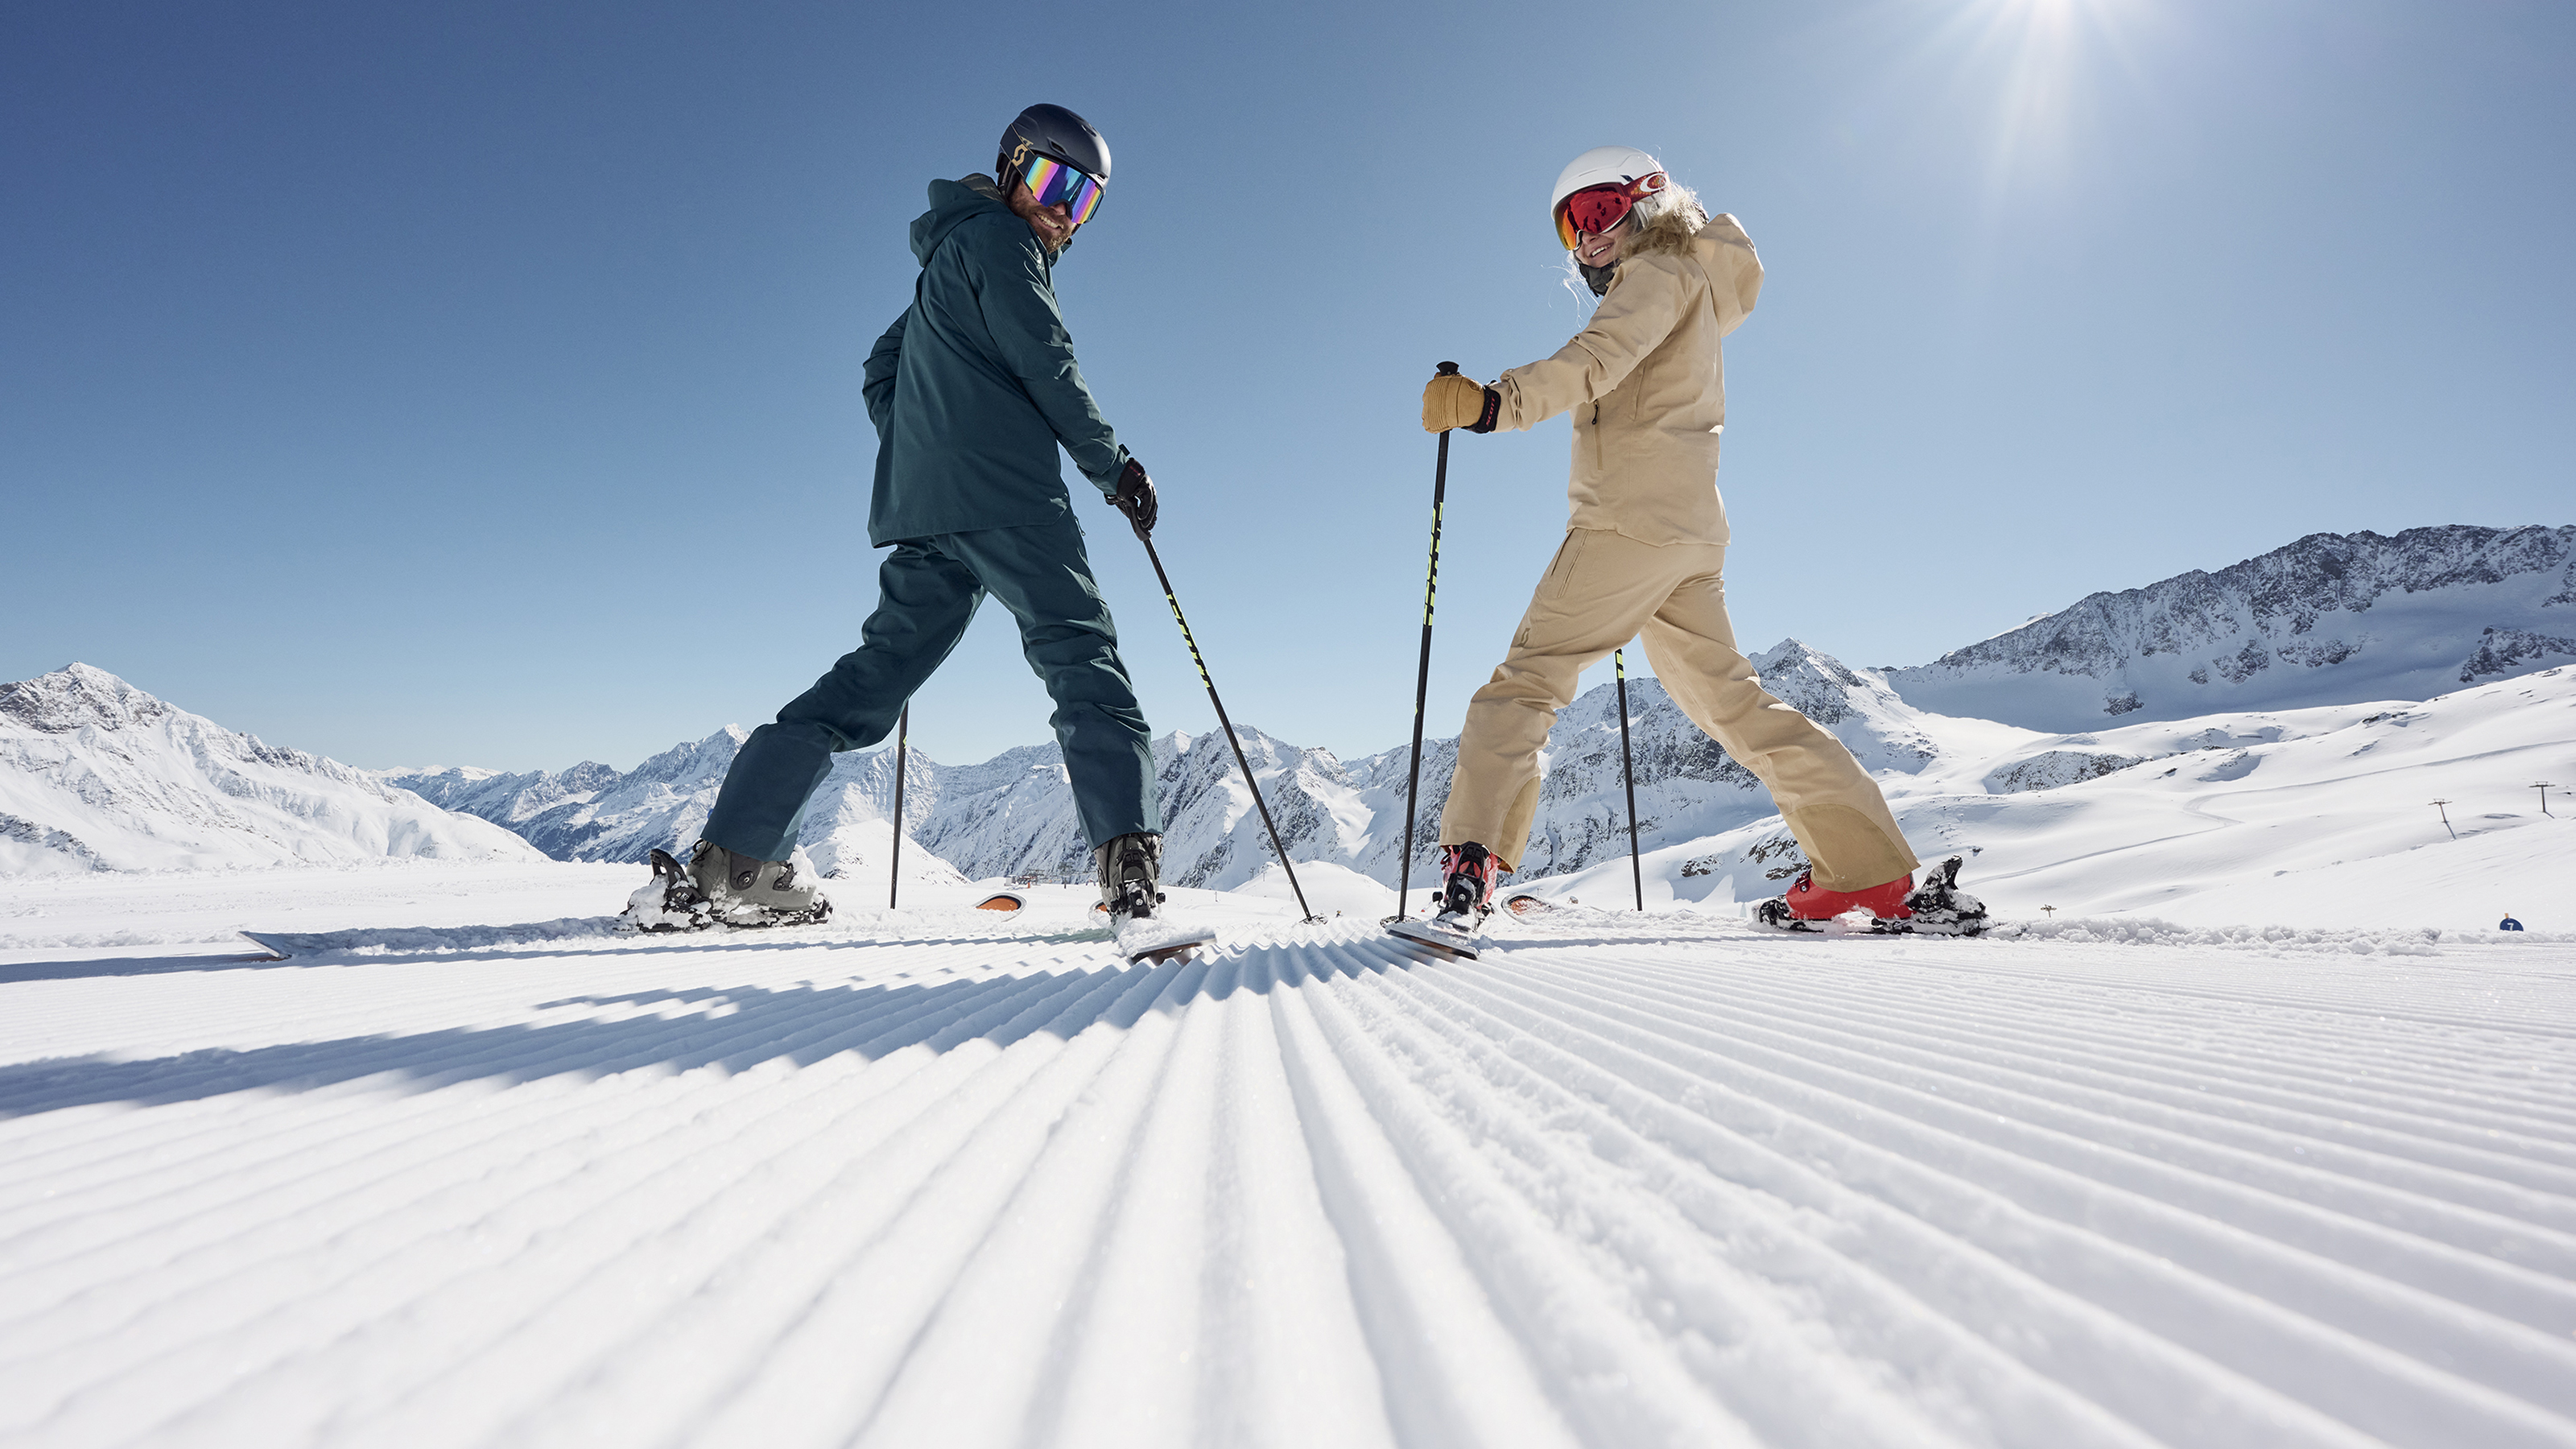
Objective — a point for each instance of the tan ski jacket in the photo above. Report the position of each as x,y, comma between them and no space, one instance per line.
1646,381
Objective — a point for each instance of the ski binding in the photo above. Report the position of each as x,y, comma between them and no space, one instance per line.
1448,933
1934,908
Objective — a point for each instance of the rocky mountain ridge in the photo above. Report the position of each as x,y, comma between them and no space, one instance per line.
1013,815
96,774
2332,618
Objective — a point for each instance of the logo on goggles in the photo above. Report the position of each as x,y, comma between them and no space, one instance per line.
1054,183
1596,209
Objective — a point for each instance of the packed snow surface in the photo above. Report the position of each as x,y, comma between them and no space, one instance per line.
924,1177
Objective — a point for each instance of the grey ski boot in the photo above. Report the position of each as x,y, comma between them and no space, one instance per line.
1131,890
1131,877
720,888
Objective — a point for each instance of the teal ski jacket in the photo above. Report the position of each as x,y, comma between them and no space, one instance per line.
975,385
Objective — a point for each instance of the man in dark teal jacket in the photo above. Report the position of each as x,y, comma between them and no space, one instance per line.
972,390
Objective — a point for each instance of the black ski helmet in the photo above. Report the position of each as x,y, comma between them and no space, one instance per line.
1054,132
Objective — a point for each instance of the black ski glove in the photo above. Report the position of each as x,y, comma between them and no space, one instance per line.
1135,498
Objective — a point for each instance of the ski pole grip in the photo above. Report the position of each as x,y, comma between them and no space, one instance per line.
1448,369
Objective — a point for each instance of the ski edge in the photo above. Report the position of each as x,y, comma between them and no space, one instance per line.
1437,938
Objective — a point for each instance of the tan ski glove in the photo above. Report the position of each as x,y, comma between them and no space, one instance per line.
1452,401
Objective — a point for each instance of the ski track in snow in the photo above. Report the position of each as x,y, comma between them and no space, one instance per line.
1620,1182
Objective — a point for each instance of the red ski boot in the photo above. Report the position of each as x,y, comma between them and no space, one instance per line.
1466,899
1471,871
1808,905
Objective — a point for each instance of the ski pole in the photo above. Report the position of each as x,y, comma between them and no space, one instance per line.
1422,674
1240,762
894,868
1628,769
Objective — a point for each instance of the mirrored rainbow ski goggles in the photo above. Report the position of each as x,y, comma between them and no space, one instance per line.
1053,183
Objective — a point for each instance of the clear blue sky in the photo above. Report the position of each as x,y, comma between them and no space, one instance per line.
479,383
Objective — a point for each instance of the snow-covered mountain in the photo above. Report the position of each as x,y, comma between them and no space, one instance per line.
1013,815
2330,619
98,775
595,812
2319,814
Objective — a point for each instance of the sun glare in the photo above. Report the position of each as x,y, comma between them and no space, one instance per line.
2032,61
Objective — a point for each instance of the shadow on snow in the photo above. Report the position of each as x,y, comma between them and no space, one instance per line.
730,1029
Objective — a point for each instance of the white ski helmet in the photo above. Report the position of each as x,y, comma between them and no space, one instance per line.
1623,166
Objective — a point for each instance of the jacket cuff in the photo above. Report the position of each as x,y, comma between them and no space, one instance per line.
1484,422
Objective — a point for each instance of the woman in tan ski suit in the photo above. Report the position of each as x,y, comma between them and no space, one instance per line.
1645,548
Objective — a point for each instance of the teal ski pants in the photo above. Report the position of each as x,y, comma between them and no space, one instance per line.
928,589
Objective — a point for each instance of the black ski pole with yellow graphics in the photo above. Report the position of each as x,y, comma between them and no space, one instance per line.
1628,769
1240,763
894,867
1422,674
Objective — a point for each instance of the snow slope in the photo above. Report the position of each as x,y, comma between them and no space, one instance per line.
2330,619
98,775
909,1180
2314,816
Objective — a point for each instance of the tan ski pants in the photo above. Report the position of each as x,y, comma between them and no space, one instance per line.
1601,590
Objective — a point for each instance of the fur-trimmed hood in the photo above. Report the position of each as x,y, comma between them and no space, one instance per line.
1664,223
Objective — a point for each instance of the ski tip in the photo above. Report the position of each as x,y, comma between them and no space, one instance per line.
1002,901
1432,938
1526,904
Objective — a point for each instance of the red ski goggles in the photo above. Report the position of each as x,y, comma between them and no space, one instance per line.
1596,209
1055,184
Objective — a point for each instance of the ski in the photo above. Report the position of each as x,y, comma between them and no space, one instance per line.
1154,940
1444,933
1527,906
1007,903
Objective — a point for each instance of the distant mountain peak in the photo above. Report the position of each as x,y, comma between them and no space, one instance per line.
2330,619
100,775
77,696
